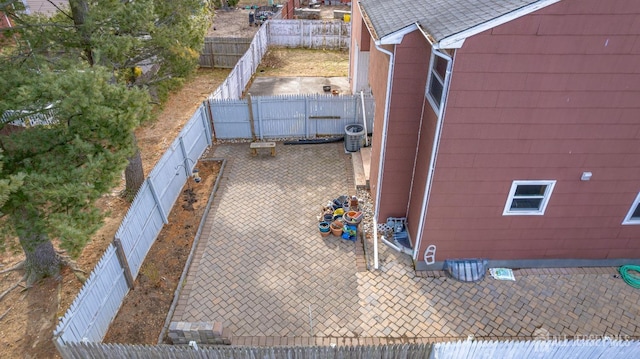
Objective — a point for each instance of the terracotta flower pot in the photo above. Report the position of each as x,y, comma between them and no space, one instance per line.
336,228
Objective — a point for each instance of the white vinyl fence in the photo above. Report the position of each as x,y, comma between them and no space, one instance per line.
100,298
311,34
98,350
306,116
477,350
597,347
234,84
29,118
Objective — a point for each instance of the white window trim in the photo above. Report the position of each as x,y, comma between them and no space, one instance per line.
627,218
543,205
436,104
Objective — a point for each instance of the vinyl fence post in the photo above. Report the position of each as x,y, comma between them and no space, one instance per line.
185,156
154,194
122,258
251,124
209,122
307,121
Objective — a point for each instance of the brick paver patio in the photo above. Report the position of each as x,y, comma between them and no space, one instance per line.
263,270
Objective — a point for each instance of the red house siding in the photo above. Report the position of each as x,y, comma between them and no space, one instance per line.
359,32
425,146
543,97
378,69
407,98
360,39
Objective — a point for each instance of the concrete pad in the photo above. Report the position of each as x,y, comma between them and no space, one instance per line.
358,170
365,153
269,86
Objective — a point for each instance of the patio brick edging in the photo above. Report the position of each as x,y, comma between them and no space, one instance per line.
200,332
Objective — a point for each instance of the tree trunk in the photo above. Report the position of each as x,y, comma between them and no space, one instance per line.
41,259
79,12
134,173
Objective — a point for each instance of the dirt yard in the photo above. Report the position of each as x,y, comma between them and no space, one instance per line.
28,317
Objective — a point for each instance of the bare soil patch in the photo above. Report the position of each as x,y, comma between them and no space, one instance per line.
282,62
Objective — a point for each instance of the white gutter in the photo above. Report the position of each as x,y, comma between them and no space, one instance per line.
383,149
434,149
364,120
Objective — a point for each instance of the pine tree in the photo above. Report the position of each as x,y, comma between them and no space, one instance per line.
89,70
152,44
65,164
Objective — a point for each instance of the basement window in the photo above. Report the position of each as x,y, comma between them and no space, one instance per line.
633,217
528,198
436,84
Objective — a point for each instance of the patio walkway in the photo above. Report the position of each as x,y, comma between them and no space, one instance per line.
263,270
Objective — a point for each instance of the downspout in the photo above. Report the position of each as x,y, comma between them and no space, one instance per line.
434,149
383,148
364,120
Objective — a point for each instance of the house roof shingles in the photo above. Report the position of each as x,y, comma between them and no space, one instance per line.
438,18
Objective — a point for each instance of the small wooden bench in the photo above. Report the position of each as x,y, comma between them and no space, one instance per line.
258,145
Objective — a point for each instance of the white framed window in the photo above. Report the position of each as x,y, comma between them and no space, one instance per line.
528,198
633,216
439,69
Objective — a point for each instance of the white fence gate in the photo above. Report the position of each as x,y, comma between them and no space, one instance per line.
100,298
287,116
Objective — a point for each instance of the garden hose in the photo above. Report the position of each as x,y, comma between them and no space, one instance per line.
632,279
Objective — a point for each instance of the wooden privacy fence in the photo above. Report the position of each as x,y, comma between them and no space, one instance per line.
306,116
223,52
97,350
100,298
